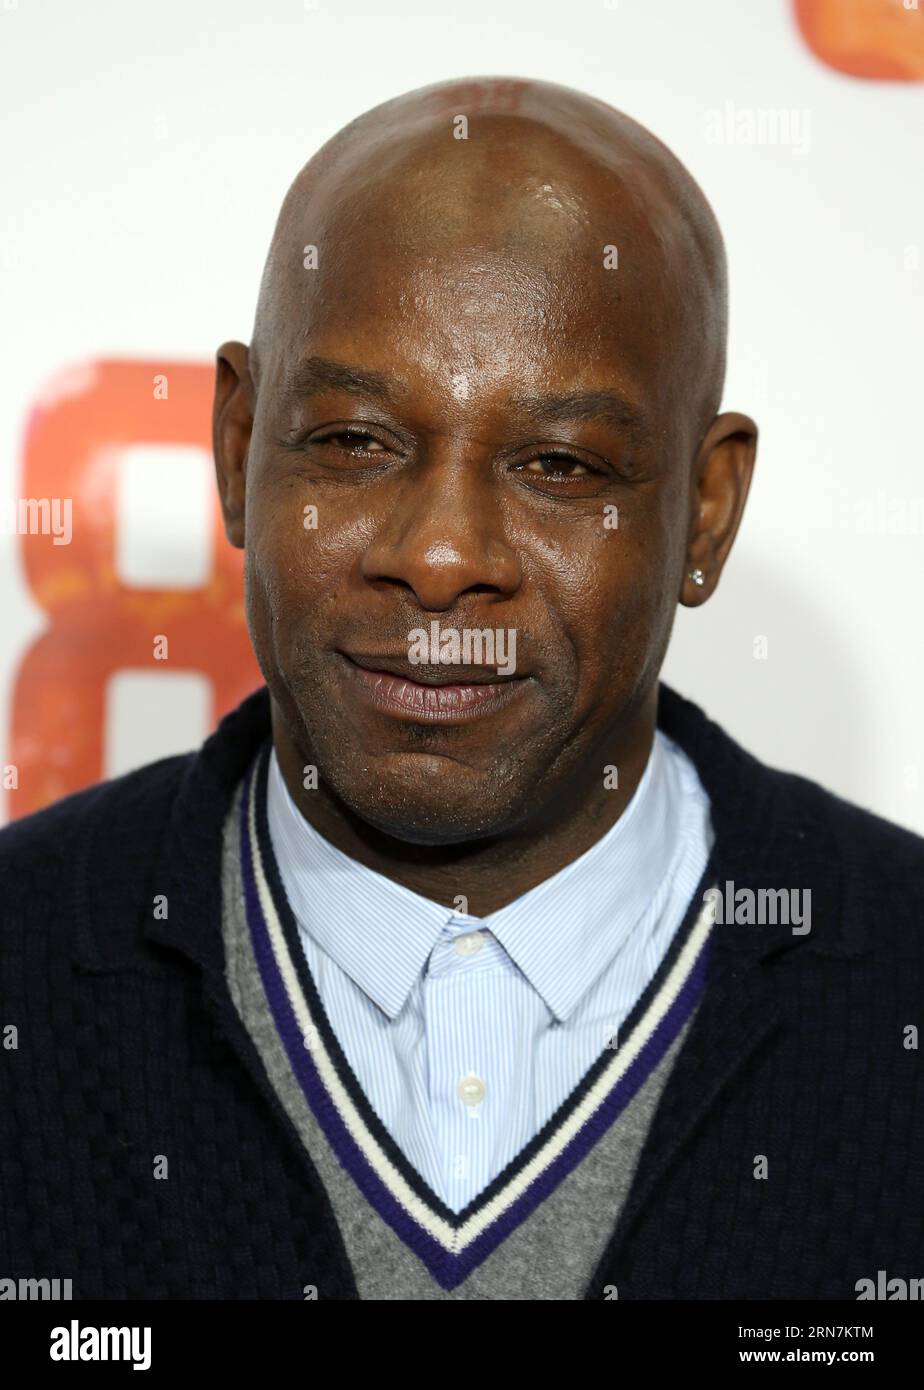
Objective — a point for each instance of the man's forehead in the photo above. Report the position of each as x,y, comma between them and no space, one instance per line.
550,234
463,295
488,323
315,375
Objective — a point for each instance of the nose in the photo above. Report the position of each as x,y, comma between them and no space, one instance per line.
445,535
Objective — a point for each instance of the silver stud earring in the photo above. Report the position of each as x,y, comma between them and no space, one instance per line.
698,577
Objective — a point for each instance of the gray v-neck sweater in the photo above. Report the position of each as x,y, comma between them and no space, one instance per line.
539,1230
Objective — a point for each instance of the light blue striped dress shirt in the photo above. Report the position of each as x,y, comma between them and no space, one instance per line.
467,1034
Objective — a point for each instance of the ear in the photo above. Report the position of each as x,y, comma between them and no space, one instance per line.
719,483
232,421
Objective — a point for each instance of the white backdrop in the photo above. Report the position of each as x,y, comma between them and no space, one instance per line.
145,151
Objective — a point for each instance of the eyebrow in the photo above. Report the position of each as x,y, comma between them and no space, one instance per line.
316,374
608,407
603,405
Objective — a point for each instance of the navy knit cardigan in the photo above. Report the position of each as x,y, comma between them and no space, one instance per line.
127,1046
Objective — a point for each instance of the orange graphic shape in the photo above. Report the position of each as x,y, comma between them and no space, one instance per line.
878,39
96,624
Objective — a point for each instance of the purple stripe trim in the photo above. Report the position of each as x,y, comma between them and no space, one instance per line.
376,1192
448,1269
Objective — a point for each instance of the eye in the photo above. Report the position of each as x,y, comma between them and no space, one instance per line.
559,465
354,441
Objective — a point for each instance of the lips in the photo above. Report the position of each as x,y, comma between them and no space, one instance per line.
425,674
427,697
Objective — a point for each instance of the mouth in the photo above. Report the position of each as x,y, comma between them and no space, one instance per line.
431,695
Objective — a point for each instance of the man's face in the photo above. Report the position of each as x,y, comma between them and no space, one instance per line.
449,489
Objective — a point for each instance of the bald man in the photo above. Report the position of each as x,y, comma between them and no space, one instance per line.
468,960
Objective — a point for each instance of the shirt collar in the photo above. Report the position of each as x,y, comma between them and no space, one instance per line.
561,934
379,932
567,930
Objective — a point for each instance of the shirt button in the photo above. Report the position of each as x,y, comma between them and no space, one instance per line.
469,944
472,1090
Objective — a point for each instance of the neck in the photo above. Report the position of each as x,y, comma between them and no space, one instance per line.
489,871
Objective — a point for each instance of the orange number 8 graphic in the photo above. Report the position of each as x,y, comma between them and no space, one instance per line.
97,624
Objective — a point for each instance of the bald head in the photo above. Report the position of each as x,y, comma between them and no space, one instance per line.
497,170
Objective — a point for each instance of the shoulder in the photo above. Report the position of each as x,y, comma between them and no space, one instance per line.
778,831
868,844
40,852
860,876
